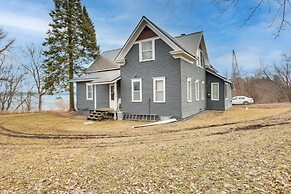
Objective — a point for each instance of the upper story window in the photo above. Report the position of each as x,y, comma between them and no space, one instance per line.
136,90
147,50
201,59
89,91
159,87
214,91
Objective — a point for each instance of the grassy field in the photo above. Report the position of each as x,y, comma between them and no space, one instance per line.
234,151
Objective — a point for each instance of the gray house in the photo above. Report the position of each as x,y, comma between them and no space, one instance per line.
154,73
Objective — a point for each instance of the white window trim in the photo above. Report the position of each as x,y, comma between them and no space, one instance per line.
140,94
153,50
197,88
189,89
154,89
87,86
202,90
212,85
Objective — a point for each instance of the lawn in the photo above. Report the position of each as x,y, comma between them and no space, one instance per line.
234,151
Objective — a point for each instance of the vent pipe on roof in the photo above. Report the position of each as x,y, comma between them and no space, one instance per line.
183,34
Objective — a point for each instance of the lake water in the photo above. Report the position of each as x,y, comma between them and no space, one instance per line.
49,102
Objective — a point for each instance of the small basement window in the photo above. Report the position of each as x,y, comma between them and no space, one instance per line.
147,50
189,89
136,90
214,91
89,91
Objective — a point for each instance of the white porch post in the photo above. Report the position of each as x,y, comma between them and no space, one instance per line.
95,96
115,101
115,96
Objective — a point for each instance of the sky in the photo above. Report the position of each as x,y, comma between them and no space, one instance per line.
27,21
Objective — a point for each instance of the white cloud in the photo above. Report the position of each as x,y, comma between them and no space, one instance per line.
23,22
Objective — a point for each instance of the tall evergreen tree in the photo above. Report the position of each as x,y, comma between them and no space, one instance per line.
91,48
67,48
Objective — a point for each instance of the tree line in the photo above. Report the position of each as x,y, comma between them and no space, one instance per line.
48,68
270,83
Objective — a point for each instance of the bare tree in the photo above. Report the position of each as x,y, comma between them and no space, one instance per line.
279,13
11,77
280,74
33,66
8,85
5,45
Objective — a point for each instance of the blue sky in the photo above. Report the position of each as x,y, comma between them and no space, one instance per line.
27,21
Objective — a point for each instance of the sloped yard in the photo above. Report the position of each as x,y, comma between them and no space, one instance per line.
235,151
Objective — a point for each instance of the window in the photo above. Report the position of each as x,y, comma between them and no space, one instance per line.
214,91
136,90
189,89
147,50
89,91
202,90
197,90
201,59
159,89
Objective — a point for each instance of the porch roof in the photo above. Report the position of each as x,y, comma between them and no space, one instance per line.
106,77
102,77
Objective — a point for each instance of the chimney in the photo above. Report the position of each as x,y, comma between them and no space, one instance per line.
183,34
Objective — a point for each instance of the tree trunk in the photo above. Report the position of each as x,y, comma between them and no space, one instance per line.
72,104
39,103
71,60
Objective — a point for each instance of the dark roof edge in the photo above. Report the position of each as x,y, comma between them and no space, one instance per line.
219,76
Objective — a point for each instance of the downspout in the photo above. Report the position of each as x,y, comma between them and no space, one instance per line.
149,106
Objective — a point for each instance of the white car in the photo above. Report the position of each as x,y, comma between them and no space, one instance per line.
242,100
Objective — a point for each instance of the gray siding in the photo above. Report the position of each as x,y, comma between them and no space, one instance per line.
211,104
102,96
164,65
228,96
196,73
83,105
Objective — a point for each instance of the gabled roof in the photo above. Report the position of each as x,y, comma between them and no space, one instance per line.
190,42
171,41
105,61
184,46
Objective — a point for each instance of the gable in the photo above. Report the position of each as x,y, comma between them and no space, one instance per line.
152,30
146,33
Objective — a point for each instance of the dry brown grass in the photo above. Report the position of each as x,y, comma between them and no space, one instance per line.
248,151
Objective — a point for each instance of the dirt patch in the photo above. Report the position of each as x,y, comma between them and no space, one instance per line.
10,133
252,127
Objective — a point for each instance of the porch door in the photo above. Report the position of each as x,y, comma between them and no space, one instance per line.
111,96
